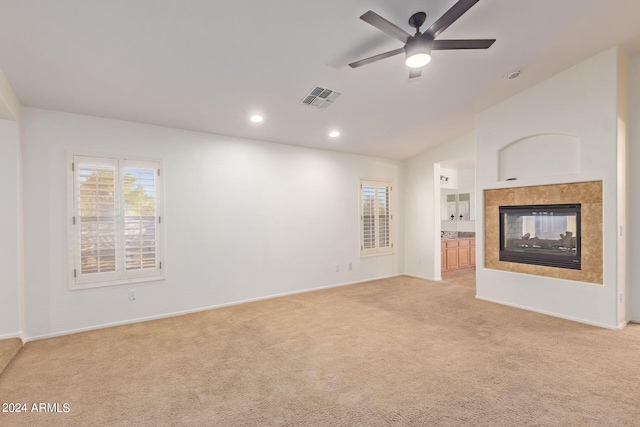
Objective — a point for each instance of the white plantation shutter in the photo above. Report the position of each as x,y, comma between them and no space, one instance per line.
384,217
375,217
140,218
116,233
96,208
368,216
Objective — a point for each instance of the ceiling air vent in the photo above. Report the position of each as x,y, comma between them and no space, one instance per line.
320,97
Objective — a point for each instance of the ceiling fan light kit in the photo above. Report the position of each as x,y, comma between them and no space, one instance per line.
418,47
418,53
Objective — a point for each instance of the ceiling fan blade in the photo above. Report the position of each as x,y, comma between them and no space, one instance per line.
449,17
415,72
376,58
461,44
385,26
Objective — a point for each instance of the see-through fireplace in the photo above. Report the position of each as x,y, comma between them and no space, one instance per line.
546,235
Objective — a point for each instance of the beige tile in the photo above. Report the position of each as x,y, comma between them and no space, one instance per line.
588,194
501,197
538,195
585,192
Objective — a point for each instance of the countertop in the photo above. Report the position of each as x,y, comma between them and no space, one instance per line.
457,238
456,235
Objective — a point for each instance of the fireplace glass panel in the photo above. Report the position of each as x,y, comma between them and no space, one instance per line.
542,234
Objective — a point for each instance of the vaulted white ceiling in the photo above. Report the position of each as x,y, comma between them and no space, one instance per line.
208,65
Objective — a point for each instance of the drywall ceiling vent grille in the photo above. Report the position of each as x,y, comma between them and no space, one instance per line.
320,97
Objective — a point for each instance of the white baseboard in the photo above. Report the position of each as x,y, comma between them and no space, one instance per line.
15,335
196,310
550,313
433,279
633,320
622,325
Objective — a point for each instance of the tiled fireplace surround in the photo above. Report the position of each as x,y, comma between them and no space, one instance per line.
588,194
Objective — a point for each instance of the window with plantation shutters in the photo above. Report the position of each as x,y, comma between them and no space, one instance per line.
375,217
116,223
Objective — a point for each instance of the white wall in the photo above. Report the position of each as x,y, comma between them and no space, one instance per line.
244,219
467,180
10,108
580,101
634,188
522,158
622,177
451,178
11,277
10,292
422,206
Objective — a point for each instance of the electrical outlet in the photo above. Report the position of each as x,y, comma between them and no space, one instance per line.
419,261
337,267
132,294
350,266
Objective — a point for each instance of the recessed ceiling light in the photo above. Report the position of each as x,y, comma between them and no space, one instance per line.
257,118
512,74
334,134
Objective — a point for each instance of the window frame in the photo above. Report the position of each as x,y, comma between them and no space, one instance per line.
377,250
121,276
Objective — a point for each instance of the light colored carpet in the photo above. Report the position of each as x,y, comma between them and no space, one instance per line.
462,277
8,349
400,351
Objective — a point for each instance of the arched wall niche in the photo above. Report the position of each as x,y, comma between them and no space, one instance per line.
540,155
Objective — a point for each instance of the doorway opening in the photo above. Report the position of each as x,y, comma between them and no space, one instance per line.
455,220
